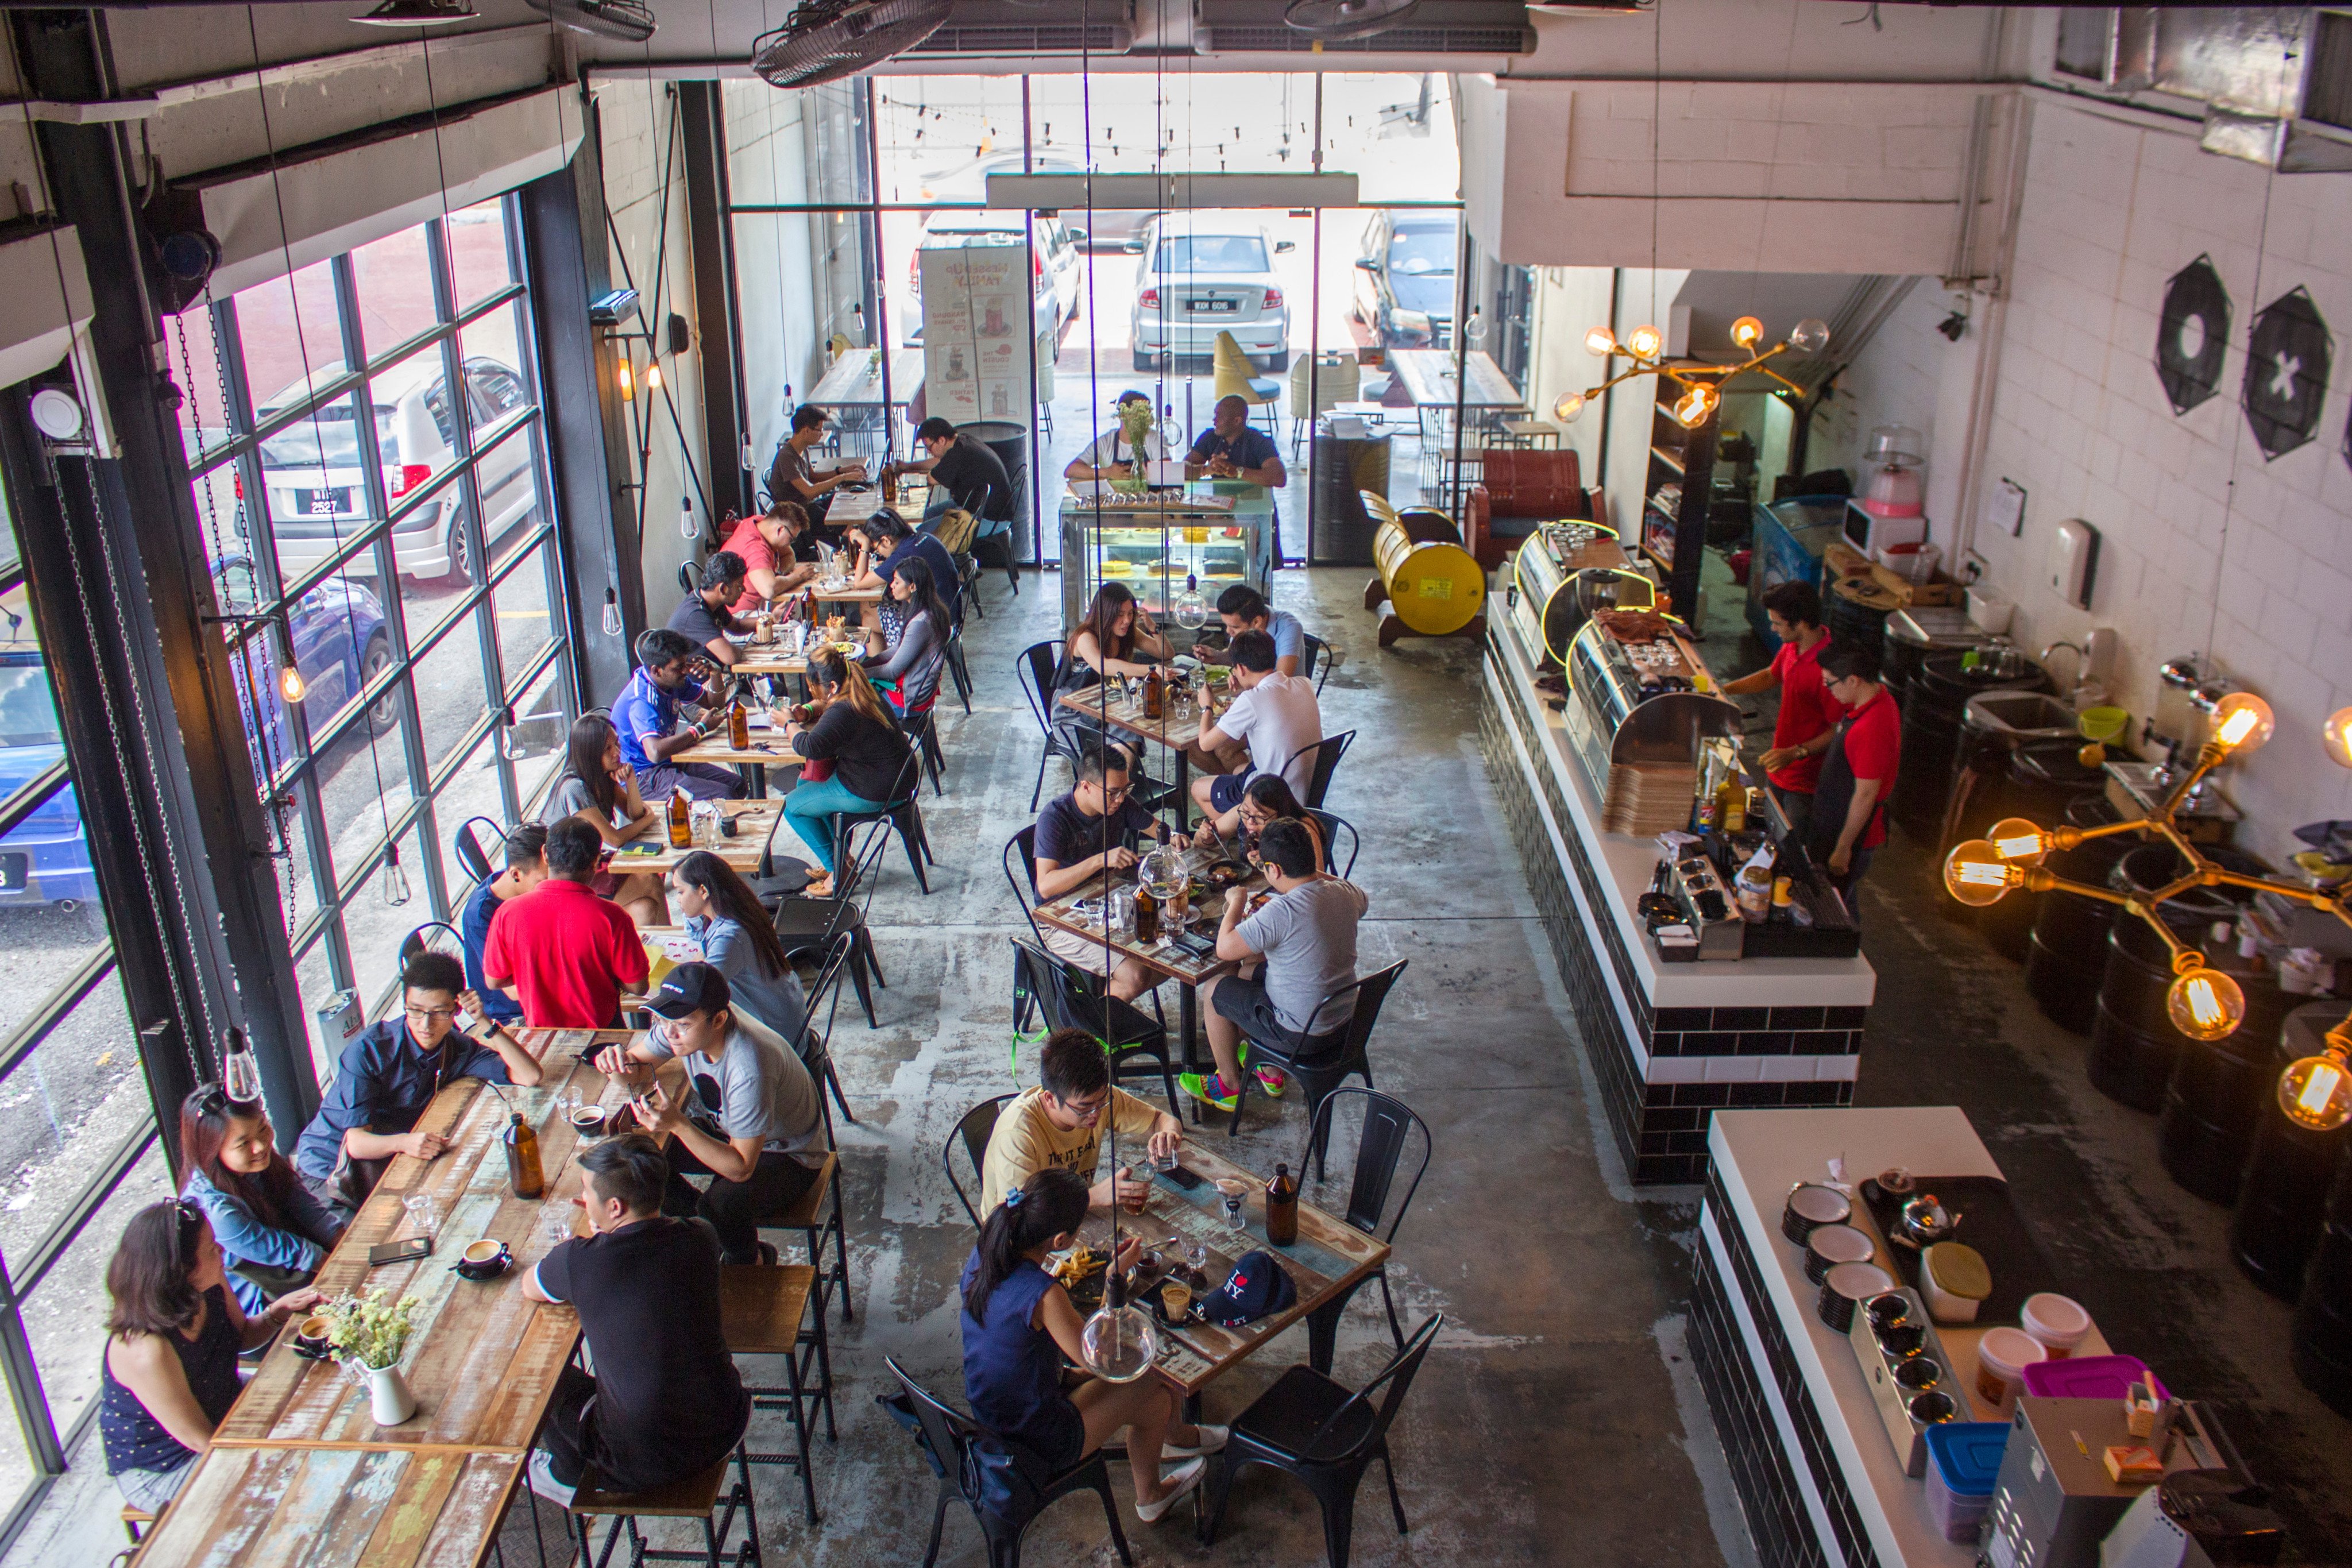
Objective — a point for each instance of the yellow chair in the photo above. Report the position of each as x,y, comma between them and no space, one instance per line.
1336,379
1236,377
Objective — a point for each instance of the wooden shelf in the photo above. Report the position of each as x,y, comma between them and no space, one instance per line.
1671,459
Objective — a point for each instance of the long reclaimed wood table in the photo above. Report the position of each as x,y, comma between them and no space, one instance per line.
398,1508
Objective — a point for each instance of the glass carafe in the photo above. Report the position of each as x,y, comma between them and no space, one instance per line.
1164,872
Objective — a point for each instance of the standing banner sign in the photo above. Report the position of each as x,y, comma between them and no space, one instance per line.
976,349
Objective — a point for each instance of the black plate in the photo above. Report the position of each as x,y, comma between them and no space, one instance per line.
1988,1222
1223,874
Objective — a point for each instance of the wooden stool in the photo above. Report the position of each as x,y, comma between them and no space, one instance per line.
696,1497
761,1309
808,1216
133,1518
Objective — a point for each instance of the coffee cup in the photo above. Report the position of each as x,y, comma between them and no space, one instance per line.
588,1121
310,1341
1175,1301
484,1259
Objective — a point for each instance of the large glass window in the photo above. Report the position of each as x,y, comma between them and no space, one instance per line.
366,443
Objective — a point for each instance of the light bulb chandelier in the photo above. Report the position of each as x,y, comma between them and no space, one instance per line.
1702,385
2203,1004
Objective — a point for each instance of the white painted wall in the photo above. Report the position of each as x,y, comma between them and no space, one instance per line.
1909,373
768,163
1568,300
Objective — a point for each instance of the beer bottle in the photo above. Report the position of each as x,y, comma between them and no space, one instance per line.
1282,1207
739,726
1147,915
1154,696
681,830
523,1159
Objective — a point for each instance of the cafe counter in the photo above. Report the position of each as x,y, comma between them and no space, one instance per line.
1670,1042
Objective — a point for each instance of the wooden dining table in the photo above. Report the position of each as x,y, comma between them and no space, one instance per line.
755,821
1178,726
386,1508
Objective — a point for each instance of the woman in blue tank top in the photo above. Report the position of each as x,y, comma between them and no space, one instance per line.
1019,1324
173,1337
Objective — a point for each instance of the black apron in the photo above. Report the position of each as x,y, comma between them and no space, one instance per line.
1833,796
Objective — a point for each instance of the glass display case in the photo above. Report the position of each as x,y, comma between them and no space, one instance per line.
1152,547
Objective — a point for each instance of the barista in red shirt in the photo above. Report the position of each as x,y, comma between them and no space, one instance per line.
1849,819
1802,733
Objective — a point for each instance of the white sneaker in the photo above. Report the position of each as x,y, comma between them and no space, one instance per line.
1181,1481
1212,1439
540,1474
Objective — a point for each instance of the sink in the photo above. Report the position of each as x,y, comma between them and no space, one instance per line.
2022,715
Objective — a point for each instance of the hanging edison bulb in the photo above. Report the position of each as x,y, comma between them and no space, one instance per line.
2316,1092
1692,408
291,681
1810,336
2242,722
2015,839
1571,407
686,528
653,375
1644,341
1119,1344
2337,736
1475,333
624,377
395,880
1747,331
240,1072
1602,341
612,612
1975,874
2204,1003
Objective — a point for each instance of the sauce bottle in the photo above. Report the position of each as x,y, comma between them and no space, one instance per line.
681,831
739,726
1155,701
1147,915
1282,1207
523,1159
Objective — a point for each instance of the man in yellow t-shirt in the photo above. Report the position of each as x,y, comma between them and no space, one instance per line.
1060,1123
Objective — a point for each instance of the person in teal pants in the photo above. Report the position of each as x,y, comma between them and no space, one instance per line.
867,762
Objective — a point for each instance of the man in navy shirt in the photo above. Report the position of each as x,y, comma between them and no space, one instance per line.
1093,829
390,1071
894,541
1230,448
525,869
645,715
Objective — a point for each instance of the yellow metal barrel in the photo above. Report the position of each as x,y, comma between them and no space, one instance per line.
1436,588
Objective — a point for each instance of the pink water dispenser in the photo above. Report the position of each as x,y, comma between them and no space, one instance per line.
1897,454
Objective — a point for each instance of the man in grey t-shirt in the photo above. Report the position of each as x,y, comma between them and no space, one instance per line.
1303,944
729,1101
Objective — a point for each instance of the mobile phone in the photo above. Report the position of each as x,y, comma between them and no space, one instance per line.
1188,1180
407,1251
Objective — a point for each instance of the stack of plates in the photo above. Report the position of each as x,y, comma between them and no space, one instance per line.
1647,799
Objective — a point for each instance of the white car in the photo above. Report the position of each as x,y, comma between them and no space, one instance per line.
1204,274
1056,268
317,497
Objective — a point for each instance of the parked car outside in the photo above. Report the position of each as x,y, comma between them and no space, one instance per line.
1056,269
1404,279
1206,274
318,498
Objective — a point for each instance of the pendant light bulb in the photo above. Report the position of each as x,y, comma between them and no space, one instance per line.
2018,841
395,880
2337,736
240,1072
612,612
686,526
2204,1003
1811,336
1692,407
2316,1092
290,682
653,375
1601,341
1975,874
2242,722
1747,331
1571,407
1644,341
625,376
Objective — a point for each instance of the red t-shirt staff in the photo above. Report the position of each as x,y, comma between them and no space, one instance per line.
1849,820
567,956
1802,733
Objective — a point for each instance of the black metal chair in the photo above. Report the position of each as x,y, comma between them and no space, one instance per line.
922,732
1315,1430
1038,667
1317,666
810,926
434,936
471,856
1382,1146
1340,841
947,1436
959,668
1071,1000
1326,753
1024,893
686,577
904,814
1320,1061
979,1125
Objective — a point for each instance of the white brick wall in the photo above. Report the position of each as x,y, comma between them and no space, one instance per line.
2204,544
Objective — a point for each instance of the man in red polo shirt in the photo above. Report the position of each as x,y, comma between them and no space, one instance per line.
1802,731
1849,820
564,953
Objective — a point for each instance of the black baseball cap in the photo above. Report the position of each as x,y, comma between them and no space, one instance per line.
1132,394
691,988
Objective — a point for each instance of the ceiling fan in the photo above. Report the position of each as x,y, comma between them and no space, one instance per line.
1346,19
824,40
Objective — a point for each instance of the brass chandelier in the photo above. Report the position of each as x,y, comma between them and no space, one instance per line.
1702,385
2203,1004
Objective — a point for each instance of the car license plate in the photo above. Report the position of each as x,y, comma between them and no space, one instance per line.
1213,305
12,873
322,503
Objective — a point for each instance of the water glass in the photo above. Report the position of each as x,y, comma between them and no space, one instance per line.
704,817
424,1218
555,1222
1235,1195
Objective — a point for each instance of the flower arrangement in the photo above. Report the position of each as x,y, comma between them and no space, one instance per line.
369,1330
1136,422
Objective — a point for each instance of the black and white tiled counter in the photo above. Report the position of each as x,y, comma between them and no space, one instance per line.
1818,1480
1671,1043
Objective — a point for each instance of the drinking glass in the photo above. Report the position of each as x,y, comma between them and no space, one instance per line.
555,1222
1165,1161
424,1218
1237,1201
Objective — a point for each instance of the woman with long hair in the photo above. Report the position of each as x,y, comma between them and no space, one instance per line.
1019,1324
1117,628
600,789
906,662
172,1336
854,733
726,920
273,1232
1266,798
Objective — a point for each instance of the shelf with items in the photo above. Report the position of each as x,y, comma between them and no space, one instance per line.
1675,493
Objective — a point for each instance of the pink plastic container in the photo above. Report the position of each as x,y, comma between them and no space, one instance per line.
2089,1377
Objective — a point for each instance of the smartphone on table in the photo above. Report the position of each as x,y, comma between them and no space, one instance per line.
403,1251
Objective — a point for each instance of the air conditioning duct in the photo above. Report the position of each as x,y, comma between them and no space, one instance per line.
1017,29
2276,81
1449,27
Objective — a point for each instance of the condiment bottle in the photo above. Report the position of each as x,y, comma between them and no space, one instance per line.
523,1159
1147,915
1154,694
739,726
1282,1207
681,831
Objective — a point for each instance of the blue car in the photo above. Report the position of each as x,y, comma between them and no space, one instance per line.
340,641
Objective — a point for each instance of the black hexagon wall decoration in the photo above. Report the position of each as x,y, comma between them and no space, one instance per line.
2193,335
2286,373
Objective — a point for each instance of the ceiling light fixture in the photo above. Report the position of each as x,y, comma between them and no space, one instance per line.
1702,385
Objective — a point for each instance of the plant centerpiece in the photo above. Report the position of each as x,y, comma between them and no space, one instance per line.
1136,423
370,1333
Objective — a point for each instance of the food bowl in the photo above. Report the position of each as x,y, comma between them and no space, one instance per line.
1225,874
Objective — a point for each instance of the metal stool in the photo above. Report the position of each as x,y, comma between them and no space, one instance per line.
761,1309
133,1518
696,1497
807,1215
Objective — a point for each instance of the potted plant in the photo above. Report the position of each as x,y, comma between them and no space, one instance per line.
1134,423
370,1334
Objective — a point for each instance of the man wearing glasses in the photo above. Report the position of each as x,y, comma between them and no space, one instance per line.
1060,1122
1092,830
390,1071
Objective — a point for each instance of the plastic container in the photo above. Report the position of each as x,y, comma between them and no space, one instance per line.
2102,724
1988,611
2002,1356
2057,1322
2088,1377
1912,562
1954,1281
1963,1464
